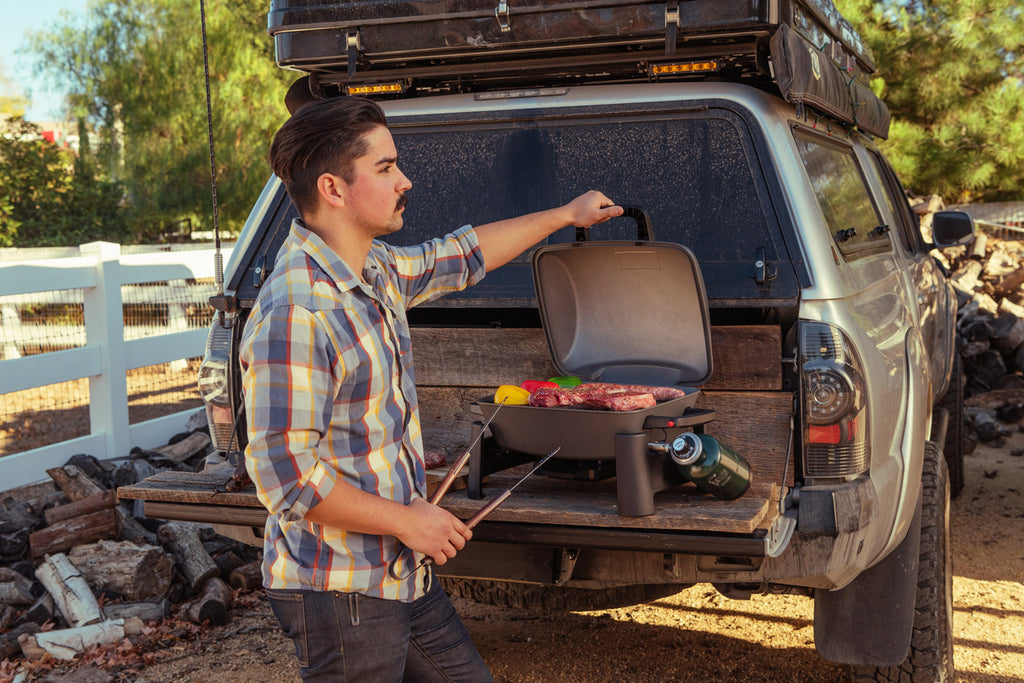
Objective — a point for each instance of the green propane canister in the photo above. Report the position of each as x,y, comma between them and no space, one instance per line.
712,466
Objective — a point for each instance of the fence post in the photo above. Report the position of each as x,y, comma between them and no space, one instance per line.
104,329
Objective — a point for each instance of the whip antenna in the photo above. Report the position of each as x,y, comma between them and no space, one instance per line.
218,258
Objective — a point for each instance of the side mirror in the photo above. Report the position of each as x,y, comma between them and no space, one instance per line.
952,229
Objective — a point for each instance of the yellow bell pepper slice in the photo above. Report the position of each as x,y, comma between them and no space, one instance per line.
512,395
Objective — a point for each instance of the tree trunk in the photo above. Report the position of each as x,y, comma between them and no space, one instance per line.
71,532
213,604
247,577
195,563
69,589
136,572
68,643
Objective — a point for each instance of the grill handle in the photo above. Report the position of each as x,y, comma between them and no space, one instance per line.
644,229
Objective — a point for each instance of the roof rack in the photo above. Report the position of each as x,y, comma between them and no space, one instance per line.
803,49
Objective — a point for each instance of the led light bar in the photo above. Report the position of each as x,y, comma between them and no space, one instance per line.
393,87
684,68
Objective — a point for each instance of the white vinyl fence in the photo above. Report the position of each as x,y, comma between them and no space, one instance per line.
102,350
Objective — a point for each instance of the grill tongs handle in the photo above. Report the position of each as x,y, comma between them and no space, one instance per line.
491,506
644,229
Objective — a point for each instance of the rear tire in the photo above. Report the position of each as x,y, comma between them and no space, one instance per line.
556,598
931,645
953,401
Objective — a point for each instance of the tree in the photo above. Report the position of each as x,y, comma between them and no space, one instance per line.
12,102
45,199
133,69
952,72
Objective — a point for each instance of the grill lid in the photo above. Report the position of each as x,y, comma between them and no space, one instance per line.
631,312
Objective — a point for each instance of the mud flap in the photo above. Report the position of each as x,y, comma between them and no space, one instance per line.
871,620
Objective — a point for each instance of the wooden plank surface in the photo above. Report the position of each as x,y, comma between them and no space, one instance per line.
743,357
546,500
207,488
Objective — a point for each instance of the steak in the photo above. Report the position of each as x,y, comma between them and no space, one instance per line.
432,459
587,394
622,402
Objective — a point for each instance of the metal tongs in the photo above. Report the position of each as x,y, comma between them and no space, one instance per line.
491,506
442,489
480,514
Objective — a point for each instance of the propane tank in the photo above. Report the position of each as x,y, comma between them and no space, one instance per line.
712,466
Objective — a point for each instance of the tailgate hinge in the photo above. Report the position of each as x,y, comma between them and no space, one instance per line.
504,20
671,27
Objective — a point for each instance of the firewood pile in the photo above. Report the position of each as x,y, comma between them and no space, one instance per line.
988,278
78,568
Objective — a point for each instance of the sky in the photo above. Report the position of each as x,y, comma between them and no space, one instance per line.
20,16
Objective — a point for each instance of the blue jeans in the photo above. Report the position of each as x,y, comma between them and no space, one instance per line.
351,637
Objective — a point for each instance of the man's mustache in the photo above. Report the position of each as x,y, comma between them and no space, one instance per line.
400,204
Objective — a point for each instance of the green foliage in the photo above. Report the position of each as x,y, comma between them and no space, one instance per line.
951,72
133,69
44,199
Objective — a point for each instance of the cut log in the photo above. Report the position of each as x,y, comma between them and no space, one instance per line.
991,400
213,603
986,368
144,610
978,248
65,535
9,645
75,483
70,591
132,530
248,577
94,503
7,616
68,643
39,613
1007,333
195,563
15,589
189,447
136,572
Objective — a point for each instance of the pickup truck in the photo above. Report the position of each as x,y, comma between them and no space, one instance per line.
747,134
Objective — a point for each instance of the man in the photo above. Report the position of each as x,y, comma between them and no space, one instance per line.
334,435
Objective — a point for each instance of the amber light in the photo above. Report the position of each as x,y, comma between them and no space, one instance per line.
375,89
684,68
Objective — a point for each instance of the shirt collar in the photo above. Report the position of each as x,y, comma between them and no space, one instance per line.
325,257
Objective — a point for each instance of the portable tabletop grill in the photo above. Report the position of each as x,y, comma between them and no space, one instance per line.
624,312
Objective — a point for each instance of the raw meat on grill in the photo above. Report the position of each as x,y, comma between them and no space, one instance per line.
622,402
432,459
586,394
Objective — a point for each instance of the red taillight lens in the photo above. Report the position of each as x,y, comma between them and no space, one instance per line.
834,413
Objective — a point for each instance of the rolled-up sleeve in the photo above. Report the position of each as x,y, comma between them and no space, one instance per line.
288,387
440,266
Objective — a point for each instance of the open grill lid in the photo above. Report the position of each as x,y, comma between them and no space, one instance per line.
631,312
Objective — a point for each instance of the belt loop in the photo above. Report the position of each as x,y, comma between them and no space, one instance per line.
353,608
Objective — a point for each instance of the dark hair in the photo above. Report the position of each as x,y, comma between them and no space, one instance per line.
324,136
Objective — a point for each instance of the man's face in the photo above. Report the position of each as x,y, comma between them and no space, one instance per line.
376,196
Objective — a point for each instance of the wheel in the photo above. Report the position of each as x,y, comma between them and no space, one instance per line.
558,598
931,645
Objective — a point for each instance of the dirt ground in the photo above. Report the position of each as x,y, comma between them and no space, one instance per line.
695,635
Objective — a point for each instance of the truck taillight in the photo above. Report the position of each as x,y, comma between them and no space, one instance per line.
834,412
213,385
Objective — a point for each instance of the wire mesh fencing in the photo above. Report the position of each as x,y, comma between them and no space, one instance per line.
46,322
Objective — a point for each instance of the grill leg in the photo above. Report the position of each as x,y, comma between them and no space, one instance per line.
633,461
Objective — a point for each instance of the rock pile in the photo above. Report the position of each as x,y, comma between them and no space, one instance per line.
78,568
988,278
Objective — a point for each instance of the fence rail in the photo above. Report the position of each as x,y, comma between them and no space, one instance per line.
103,349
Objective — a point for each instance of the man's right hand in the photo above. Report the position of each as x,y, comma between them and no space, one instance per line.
434,532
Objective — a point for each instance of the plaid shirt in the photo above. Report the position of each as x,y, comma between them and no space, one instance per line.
329,392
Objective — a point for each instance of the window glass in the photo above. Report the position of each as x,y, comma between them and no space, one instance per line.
896,199
843,197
